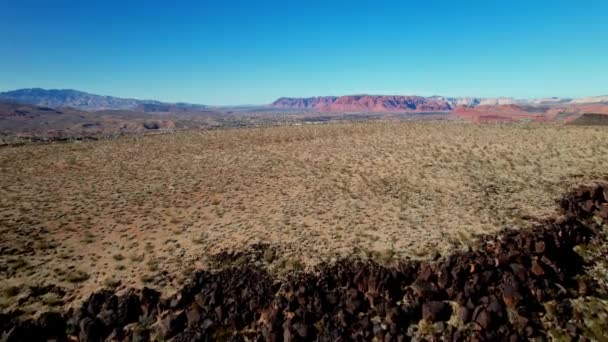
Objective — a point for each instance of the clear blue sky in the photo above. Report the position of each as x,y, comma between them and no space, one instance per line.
251,52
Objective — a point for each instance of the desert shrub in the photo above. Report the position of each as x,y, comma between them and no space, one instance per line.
76,276
52,299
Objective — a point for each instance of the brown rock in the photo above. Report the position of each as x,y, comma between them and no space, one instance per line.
193,316
219,313
301,329
536,268
483,319
519,271
539,247
501,260
495,307
529,331
424,289
287,335
426,272
603,212
582,287
436,311
90,330
464,314
561,219
588,206
572,329
443,278
171,324
538,293
510,295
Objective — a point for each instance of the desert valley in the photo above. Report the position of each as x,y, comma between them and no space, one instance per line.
39,114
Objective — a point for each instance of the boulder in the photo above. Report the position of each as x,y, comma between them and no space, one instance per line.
151,125
436,311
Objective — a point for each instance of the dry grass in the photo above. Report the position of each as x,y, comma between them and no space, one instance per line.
144,209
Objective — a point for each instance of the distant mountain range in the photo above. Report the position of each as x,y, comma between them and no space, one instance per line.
384,103
61,98
61,114
501,109
68,98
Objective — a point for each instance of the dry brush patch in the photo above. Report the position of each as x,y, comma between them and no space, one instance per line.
146,210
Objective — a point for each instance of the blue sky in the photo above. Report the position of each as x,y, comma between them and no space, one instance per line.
251,52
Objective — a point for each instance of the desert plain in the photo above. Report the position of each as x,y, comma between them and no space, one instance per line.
147,210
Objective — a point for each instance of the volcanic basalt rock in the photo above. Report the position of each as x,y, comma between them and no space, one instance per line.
520,284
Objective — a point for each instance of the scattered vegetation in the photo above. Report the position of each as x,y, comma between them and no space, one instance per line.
51,299
76,276
118,257
77,214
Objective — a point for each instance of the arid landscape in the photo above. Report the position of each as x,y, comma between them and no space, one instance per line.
148,210
47,115
125,219
267,171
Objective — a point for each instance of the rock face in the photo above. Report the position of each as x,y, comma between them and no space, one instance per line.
389,103
515,286
367,103
385,103
589,119
304,103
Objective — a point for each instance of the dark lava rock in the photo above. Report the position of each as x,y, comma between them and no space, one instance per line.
424,289
511,295
536,268
91,330
603,212
436,311
539,247
520,272
483,318
171,324
464,314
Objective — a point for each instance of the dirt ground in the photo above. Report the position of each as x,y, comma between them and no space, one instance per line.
147,210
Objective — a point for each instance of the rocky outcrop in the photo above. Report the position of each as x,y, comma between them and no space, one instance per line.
515,286
367,103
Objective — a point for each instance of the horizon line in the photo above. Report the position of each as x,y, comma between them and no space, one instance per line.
387,93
